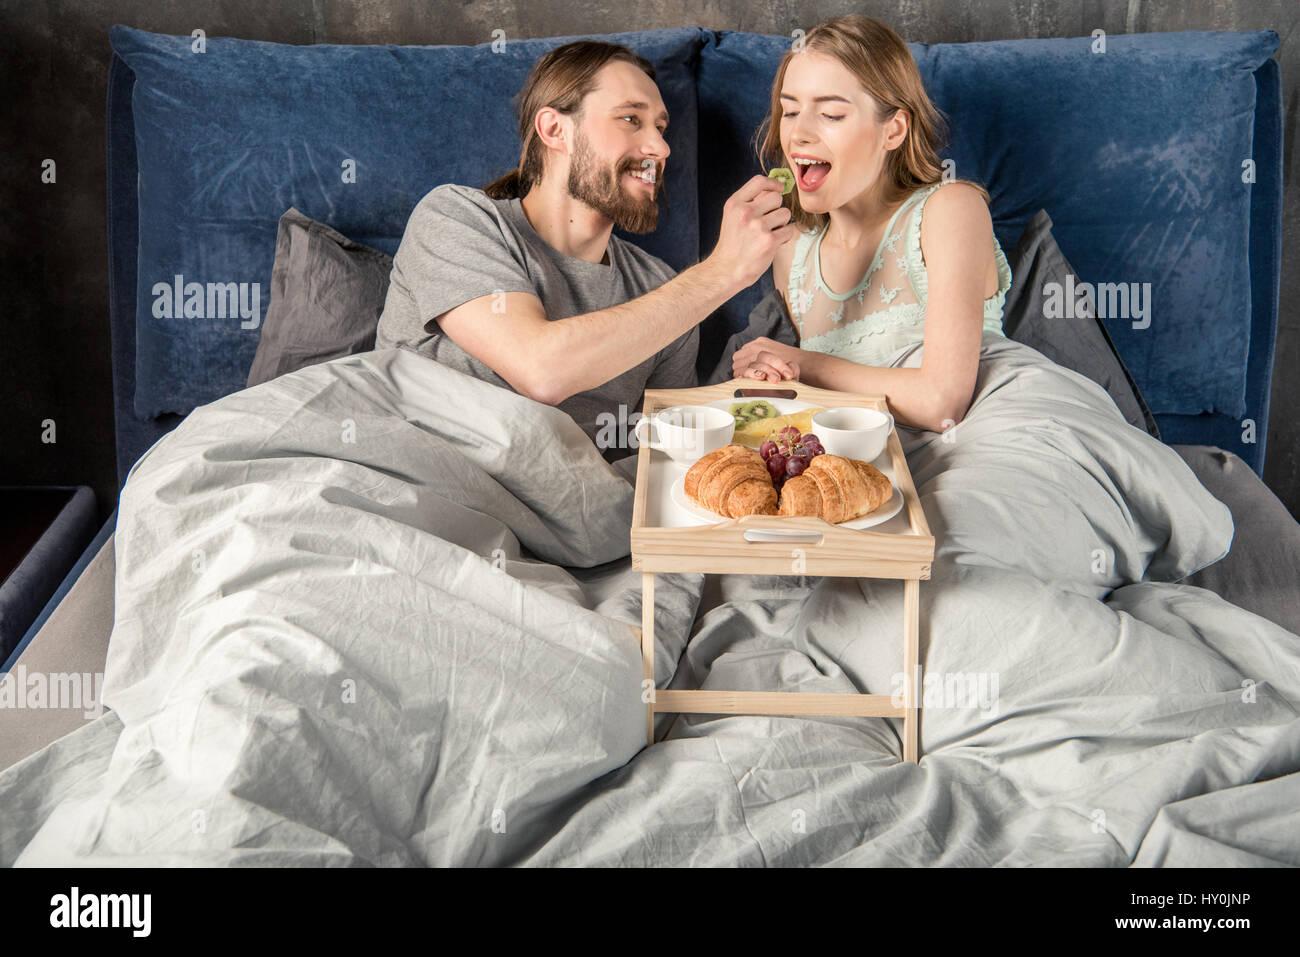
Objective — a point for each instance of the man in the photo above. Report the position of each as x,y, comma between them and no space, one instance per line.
522,284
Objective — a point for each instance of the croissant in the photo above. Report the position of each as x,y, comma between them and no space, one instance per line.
835,489
732,481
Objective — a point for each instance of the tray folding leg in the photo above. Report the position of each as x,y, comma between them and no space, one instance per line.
911,691
787,702
648,653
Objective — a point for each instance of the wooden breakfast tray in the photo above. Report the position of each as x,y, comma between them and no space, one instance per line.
901,548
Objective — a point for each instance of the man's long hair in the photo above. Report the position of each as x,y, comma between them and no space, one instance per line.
560,80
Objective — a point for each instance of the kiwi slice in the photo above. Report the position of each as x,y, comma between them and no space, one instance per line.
747,412
785,177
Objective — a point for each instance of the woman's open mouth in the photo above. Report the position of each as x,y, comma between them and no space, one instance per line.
809,174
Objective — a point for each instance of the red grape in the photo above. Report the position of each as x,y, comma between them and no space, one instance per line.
766,449
795,466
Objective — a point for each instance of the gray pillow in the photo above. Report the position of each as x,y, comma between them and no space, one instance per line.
1081,344
326,296
1258,573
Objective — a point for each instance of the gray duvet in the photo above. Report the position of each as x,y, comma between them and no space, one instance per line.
377,612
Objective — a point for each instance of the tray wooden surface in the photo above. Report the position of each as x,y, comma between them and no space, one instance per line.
772,544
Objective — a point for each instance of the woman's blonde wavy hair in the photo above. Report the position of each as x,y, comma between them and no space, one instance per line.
880,60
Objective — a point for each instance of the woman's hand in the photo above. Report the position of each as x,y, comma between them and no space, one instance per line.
766,359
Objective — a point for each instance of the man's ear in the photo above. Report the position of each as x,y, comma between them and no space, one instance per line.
553,128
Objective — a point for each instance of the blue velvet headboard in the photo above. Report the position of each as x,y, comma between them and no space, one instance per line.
1136,152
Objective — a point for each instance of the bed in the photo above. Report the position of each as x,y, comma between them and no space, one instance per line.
342,621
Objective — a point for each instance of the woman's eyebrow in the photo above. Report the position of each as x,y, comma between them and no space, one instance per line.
819,99
630,105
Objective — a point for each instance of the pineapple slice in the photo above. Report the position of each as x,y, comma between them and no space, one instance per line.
754,433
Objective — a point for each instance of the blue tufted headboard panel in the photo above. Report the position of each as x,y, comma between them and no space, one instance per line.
206,150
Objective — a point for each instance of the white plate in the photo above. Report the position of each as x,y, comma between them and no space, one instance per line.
785,407
782,406
703,516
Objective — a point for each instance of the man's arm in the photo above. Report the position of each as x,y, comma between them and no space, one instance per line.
549,361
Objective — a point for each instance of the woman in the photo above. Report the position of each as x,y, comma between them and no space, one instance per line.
867,277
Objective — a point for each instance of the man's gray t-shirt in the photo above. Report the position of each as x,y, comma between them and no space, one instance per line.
459,244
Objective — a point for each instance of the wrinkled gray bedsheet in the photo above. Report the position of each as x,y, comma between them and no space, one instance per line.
377,612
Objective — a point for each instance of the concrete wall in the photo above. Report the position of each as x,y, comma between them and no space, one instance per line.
55,55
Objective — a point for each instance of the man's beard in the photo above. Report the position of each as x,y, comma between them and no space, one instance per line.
603,190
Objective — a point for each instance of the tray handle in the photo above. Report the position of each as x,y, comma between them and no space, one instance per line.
656,399
792,536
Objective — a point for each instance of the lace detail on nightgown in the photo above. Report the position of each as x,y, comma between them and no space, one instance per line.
885,311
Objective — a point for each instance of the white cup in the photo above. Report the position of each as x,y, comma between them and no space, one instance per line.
853,433
686,432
